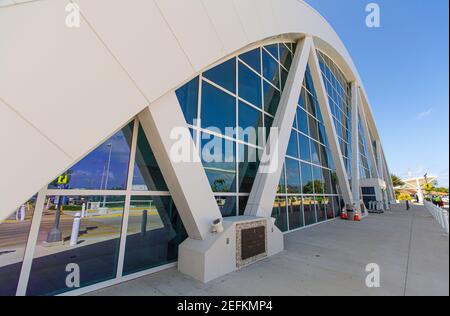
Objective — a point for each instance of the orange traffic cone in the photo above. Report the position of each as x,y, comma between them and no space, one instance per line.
344,214
356,217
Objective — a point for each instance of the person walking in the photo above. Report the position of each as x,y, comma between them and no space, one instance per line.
407,205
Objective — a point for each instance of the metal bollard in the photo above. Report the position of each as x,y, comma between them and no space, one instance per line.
83,210
144,223
75,230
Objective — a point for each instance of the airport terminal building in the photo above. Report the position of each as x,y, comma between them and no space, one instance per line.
151,134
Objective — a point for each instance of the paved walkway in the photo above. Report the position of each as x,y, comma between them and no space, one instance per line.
330,259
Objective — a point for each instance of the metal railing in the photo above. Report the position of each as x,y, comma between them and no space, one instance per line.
439,214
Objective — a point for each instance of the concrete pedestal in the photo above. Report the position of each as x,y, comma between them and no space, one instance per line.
218,254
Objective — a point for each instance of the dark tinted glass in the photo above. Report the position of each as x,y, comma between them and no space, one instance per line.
147,175
305,149
248,168
307,180
227,205
309,208
218,108
279,213
250,122
253,59
295,211
154,233
293,145
249,86
271,99
224,75
293,176
270,69
188,99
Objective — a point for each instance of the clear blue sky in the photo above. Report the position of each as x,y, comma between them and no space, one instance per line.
405,70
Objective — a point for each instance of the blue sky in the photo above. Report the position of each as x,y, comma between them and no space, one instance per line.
404,68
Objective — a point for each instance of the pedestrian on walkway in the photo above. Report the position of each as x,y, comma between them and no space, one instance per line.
407,205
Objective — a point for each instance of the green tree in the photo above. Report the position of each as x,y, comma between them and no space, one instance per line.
396,181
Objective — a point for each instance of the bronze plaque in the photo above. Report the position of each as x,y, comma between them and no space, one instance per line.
253,242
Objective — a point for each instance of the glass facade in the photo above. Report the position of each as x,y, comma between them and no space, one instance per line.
121,208
230,109
308,185
339,95
365,167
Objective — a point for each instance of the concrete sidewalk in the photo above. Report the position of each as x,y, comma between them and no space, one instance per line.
330,259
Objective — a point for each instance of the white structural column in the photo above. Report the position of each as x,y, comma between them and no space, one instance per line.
389,183
330,129
166,129
355,144
365,125
267,179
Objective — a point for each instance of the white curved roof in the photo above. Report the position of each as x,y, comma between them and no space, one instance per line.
65,90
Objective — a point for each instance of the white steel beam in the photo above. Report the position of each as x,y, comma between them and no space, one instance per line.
267,179
355,144
330,129
185,178
369,140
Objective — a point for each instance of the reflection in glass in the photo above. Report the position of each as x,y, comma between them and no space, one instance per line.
224,75
188,98
95,252
218,108
271,69
219,161
293,176
295,211
248,168
14,232
243,200
227,205
307,179
154,233
293,145
279,213
250,86
253,59
321,208
250,122
271,99
105,168
147,175
310,210
305,149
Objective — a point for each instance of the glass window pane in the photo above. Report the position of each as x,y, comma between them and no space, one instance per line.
219,161
253,59
293,145
305,149
302,118
227,205
147,175
188,98
307,180
154,233
293,176
295,211
250,122
328,201
279,213
95,252
224,75
243,200
318,180
309,208
250,86
14,232
282,183
315,152
321,209
271,99
218,109
273,50
285,57
270,69
105,168
248,167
